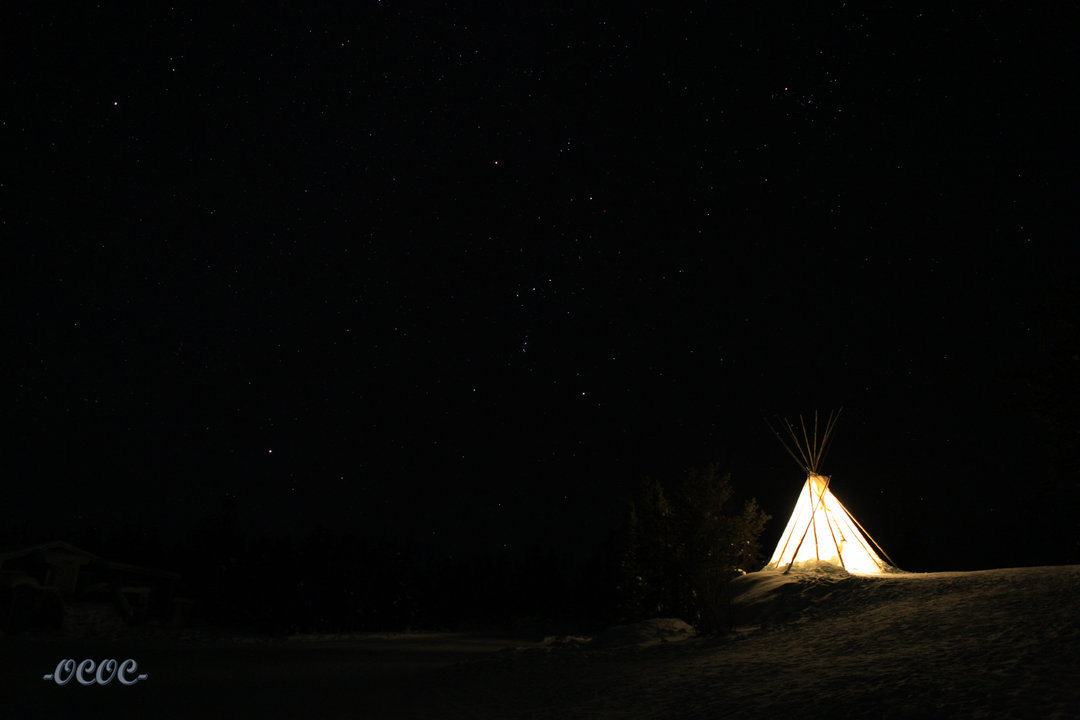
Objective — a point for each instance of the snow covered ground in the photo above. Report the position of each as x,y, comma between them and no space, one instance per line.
993,644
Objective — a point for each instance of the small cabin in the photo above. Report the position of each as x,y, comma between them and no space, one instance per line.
51,583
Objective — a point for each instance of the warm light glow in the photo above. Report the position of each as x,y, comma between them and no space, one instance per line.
821,531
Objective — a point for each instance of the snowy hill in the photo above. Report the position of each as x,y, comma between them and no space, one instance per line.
994,643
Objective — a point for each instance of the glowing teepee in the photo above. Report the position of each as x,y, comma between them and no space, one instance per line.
821,532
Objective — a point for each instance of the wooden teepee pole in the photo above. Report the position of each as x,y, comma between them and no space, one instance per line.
795,554
828,524
829,426
807,461
787,446
868,535
811,450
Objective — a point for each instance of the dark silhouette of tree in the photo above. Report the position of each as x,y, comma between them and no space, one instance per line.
682,551
645,590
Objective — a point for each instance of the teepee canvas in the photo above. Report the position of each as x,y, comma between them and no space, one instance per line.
821,532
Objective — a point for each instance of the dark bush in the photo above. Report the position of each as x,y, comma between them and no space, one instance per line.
682,548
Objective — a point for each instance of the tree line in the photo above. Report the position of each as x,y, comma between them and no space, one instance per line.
677,547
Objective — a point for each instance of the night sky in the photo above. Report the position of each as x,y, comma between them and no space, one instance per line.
460,277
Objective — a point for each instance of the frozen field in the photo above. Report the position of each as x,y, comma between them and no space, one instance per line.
994,644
